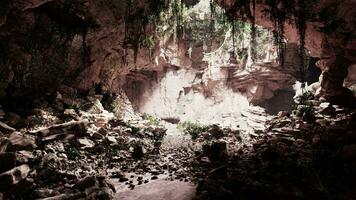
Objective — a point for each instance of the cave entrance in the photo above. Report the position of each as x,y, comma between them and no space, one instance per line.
214,70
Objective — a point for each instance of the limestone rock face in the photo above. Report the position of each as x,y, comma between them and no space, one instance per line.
47,43
335,52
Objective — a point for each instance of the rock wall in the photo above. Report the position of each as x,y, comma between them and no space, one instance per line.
46,43
329,37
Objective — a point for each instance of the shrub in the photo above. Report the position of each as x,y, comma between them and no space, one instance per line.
303,98
152,120
191,128
302,109
305,112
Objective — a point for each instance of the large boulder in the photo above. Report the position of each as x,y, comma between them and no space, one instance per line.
21,141
7,161
77,128
12,177
4,128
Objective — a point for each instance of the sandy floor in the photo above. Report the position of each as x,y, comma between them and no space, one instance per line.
159,190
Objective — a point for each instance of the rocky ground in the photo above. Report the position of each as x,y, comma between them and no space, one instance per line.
307,154
68,146
71,147
74,147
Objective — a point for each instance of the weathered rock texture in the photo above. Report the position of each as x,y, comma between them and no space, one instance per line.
329,37
48,43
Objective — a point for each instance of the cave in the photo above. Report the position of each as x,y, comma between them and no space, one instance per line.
177,99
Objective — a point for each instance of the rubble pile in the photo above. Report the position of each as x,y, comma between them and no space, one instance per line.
307,154
71,148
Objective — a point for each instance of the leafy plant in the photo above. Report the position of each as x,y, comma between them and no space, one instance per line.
134,129
152,120
303,98
191,128
305,112
302,109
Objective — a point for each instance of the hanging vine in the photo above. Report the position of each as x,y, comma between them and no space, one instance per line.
136,21
301,26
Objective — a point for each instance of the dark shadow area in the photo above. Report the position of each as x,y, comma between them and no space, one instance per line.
282,100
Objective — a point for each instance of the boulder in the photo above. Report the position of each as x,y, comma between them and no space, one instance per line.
2,115
216,132
15,120
216,151
100,122
24,156
77,128
78,195
20,141
137,152
70,113
86,182
7,161
25,186
13,177
85,143
4,128
111,140
103,131
282,114
102,193
93,107
97,136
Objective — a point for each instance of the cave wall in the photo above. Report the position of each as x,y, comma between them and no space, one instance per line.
329,36
47,43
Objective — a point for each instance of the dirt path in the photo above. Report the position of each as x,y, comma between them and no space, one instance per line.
159,190
162,189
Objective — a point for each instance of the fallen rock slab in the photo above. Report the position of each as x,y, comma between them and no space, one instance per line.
13,177
74,196
72,127
20,141
7,161
4,128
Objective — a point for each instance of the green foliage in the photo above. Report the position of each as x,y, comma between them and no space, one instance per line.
171,20
191,128
152,120
305,112
302,99
286,11
136,21
147,41
135,129
73,153
302,108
